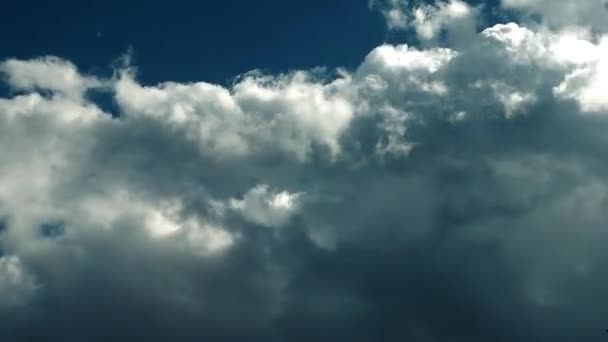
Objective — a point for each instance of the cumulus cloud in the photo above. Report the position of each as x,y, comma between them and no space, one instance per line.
429,20
47,73
450,193
559,13
588,79
266,207
393,12
455,16
290,113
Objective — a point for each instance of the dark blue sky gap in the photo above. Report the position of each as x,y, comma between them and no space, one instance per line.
195,40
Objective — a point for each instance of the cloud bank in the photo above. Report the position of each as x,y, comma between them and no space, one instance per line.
451,193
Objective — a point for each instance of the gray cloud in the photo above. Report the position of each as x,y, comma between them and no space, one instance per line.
436,194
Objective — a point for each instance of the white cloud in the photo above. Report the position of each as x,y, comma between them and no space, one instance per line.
588,82
47,73
560,13
393,12
390,58
164,221
456,17
396,144
290,113
261,205
513,100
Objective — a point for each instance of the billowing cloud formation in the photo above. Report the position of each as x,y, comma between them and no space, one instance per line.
429,20
559,13
455,16
49,73
432,194
260,113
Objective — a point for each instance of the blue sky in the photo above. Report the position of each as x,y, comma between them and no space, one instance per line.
198,40
194,40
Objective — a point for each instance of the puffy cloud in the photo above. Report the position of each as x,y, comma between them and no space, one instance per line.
431,194
456,17
392,10
559,13
290,113
587,82
47,73
265,207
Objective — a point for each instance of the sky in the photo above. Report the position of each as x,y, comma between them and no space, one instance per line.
195,40
383,170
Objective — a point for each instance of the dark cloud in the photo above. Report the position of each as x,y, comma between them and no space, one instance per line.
430,195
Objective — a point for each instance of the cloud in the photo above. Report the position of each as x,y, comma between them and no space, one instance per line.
263,206
429,21
559,13
47,73
16,283
451,193
456,16
290,113
586,81
396,18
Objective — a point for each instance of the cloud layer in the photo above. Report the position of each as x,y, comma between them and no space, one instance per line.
433,194
558,13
